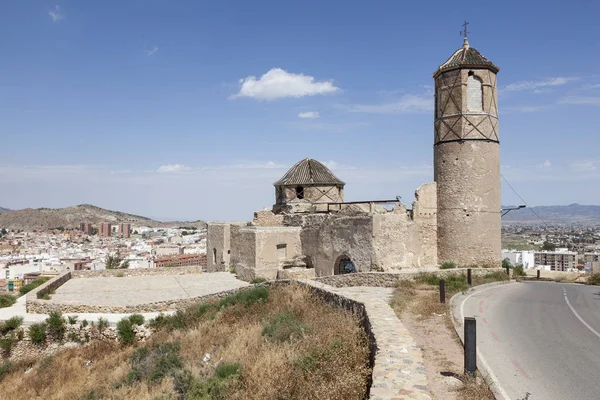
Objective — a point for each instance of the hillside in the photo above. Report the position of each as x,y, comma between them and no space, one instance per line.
4,210
70,217
573,214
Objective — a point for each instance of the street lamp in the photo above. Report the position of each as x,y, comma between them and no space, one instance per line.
505,211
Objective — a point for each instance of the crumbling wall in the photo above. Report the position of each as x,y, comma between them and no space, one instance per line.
217,246
425,215
267,217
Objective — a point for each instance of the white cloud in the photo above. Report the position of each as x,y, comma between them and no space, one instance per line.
581,100
172,168
409,103
277,83
337,166
150,52
545,164
55,14
584,166
309,114
533,85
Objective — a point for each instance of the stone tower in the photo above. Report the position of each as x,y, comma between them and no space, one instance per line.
306,183
467,159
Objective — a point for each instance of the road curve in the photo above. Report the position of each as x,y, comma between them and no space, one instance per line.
541,338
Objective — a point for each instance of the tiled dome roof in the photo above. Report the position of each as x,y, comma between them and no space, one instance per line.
309,172
466,57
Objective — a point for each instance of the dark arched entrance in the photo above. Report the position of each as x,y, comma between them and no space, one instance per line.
343,265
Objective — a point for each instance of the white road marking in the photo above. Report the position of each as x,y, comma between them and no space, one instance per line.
491,375
578,316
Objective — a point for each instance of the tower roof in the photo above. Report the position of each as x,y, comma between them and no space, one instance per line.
466,57
309,172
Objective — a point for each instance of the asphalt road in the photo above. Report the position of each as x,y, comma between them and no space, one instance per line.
541,338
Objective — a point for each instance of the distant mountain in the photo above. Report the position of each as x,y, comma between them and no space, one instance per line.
4,210
70,217
573,214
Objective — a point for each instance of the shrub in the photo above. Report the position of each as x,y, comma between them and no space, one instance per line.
246,298
84,323
56,325
225,370
37,333
125,331
102,324
6,344
72,319
284,327
448,265
10,324
32,285
518,270
7,300
594,279
258,280
5,369
152,365
137,319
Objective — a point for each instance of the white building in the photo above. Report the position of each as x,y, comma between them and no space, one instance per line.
526,258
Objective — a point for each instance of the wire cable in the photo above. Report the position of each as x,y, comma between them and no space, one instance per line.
523,200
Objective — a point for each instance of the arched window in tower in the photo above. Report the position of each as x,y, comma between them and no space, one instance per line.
299,192
474,93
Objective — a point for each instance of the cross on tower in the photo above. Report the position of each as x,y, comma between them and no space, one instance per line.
464,32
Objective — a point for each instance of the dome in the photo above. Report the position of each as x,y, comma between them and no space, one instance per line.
466,57
309,172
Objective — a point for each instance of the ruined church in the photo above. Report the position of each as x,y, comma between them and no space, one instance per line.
312,231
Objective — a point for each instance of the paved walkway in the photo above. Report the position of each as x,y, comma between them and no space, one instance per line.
399,372
137,290
126,291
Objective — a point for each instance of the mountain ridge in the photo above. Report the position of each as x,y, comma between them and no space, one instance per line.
572,214
70,217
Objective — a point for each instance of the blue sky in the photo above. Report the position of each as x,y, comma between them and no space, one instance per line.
193,109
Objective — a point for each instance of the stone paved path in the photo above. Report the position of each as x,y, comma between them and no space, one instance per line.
136,290
399,372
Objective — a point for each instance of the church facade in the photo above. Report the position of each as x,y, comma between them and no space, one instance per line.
312,231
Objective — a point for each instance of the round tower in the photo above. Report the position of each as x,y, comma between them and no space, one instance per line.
467,159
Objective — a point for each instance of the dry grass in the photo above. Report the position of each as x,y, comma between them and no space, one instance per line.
474,389
325,358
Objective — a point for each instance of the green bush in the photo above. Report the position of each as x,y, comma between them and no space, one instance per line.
518,270
225,370
448,265
32,285
284,327
7,300
84,323
5,369
37,333
258,280
137,319
246,298
453,283
56,325
10,324
594,279
102,324
72,319
125,331
6,343
152,365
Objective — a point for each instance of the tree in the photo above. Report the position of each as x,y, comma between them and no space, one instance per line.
506,263
116,262
549,246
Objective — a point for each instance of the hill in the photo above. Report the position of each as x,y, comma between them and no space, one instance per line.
70,217
573,214
4,210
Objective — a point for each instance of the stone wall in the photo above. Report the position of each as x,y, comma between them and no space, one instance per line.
49,286
217,246
390,279
137,272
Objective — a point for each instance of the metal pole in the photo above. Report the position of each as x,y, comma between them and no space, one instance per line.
538,274
469,276
442,291
470,325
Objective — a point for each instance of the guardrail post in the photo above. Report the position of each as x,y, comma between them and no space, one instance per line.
442,291
469,276
470,336
538,274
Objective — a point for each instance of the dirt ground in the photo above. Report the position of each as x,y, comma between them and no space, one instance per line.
442,349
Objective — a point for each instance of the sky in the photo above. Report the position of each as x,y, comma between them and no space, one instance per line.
192,109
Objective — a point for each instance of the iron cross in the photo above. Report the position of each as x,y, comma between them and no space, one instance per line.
464,32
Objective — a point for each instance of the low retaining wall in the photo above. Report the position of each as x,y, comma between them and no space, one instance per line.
390,279
107,273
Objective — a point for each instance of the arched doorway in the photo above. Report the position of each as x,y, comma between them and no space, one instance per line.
343,265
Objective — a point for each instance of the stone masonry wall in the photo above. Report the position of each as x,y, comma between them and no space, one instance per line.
137,272
390,279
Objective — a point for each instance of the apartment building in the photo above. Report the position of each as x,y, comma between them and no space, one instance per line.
124,230
559,260
86,228
105,229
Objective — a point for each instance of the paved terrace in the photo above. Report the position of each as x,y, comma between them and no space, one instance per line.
136,290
